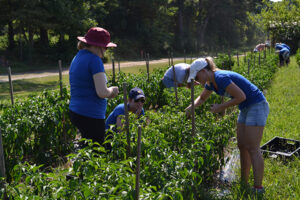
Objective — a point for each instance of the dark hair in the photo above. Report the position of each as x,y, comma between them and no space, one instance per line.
82,45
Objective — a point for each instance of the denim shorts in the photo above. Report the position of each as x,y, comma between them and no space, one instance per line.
254,115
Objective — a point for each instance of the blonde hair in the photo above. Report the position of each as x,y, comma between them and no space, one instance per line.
82,45
211,65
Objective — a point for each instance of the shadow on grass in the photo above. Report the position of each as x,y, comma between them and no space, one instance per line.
26,87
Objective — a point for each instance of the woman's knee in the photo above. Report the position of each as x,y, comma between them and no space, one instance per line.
254,151
242,146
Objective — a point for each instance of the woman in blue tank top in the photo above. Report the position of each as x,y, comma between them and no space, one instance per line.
254,110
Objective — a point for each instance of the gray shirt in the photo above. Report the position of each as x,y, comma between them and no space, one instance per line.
180,71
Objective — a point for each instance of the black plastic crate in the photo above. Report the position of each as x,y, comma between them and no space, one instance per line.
281,147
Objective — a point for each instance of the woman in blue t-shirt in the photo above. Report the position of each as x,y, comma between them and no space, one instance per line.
88,85
254,110
135,105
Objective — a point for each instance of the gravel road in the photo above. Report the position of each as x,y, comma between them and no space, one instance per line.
40,74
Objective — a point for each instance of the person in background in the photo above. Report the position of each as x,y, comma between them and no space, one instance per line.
88,83
254,110
182,73
135,105
260,47
284,53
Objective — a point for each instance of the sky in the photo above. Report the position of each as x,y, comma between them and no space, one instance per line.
275,0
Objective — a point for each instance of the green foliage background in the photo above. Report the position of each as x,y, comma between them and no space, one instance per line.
43,31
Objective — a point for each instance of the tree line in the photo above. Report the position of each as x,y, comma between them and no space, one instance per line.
35,29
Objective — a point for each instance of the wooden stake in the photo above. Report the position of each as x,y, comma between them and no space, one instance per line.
193,109
61,95
2,160
113,70
60,78
175,84
137,177
126,118
11,87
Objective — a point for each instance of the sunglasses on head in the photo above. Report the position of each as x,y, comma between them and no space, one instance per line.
140,100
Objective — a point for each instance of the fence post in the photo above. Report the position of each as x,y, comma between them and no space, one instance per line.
113,71
259,59
193,109
237,58
169,59
137,177
2,161
147,65
248,66
172,58
184,56
61,95
60,77
175,84
11,89
126,118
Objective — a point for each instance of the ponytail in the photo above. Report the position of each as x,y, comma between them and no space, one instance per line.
82,45
211,66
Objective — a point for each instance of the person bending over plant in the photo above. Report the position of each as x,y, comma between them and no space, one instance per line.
135,105
253,106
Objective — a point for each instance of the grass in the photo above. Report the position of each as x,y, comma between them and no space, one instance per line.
281,178
23,88
284,100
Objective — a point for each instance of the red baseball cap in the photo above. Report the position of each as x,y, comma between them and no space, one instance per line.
98,37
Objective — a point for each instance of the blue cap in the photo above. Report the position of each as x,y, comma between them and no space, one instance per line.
136,93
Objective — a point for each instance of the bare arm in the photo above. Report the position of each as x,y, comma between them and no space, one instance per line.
101,87
199,101
237,94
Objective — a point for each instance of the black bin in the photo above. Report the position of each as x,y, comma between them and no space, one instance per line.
281,147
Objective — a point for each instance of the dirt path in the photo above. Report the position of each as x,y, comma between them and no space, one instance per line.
40,74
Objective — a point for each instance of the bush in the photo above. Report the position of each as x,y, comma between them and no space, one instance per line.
224,61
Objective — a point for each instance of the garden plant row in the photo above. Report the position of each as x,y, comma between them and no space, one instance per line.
37,136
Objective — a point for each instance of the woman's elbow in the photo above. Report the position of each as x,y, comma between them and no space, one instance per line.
242,98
